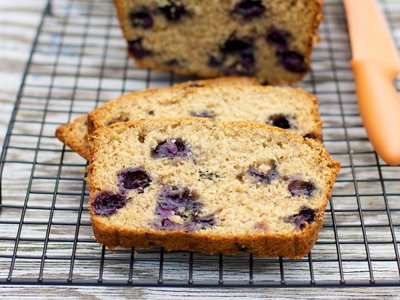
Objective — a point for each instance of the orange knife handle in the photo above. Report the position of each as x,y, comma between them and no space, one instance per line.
379,106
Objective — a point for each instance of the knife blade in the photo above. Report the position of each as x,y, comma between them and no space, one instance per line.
375,65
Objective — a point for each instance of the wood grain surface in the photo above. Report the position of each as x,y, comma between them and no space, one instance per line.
377,199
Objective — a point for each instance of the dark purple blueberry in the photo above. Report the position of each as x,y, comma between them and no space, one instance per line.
214,62
133,179
247,59
279,39
173,197
203,114
243,50
301,188
241,46
151,113
306,215
279,120
293,61
310,136
264,178
249,8
183,203
141,19
171,148
107,203
173,11
136,49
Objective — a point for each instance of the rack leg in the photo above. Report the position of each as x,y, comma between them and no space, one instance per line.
50,8
2,163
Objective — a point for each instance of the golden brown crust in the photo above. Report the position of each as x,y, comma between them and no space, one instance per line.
121,14
318,17
74,135
267,244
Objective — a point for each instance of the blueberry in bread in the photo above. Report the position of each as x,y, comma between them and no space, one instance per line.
215,187
221,100
269,39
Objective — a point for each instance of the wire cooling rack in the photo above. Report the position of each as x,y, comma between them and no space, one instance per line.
78,61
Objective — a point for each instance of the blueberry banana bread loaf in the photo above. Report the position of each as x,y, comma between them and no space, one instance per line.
194,184
269,39
287,108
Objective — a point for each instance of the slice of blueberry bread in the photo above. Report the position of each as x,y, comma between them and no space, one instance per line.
225,99
199,185
269,39
283,107
74,134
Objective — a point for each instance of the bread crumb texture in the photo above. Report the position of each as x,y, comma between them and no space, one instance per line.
194,184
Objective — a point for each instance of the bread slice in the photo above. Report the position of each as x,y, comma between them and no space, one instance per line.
198,185
269,39
221,100
75,134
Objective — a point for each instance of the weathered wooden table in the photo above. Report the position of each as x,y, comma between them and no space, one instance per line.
46,245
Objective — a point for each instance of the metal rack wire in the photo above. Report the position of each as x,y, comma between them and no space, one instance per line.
78,61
